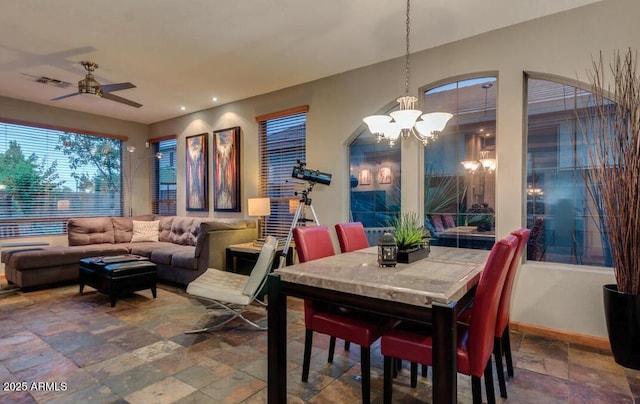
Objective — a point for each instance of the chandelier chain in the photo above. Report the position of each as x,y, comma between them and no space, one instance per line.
406,77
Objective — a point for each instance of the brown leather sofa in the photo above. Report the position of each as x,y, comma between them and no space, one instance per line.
186,247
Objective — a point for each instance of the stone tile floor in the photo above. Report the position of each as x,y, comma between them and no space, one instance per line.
136,352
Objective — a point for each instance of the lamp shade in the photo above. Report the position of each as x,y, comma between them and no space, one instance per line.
432,122
377,123
259,206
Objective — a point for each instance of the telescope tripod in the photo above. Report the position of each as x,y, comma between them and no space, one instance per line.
299,219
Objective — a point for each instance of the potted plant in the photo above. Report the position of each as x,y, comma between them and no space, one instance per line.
611,128
410,238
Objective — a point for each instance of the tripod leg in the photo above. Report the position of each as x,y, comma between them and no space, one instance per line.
287,244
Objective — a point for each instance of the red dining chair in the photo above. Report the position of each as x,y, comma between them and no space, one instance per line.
314,243
475,341
502,341
351,236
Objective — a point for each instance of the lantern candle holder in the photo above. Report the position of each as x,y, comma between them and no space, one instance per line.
387,251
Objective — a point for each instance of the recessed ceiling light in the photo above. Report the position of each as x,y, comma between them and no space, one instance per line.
183,108
214,99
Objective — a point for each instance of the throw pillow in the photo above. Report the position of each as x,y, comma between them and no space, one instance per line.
145,231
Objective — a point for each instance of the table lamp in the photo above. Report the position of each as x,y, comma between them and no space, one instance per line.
259,207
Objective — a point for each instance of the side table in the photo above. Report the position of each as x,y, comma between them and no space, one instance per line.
241,258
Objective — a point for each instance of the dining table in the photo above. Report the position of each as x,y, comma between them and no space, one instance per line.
431,290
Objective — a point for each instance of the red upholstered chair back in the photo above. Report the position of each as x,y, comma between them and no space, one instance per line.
485,305
312,242
505,300
351,236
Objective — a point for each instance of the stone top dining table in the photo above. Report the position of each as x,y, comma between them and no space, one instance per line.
429,290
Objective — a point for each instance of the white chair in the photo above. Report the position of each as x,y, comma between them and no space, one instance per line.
234,292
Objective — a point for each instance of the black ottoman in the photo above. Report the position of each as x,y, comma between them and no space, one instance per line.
118,275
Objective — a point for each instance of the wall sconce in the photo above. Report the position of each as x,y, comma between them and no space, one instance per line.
259,207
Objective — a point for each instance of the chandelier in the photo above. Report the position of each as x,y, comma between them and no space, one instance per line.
407,120
485,163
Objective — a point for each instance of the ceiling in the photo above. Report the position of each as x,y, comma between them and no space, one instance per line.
185,53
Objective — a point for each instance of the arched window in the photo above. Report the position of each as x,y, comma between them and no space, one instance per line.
459,166
374,171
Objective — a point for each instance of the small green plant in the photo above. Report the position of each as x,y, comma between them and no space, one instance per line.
408,231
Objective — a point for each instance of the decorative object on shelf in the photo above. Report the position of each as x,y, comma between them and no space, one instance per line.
387,251
133,170
364,176
197,169
226,179
259,207
610,127
384,175
410,238
405,120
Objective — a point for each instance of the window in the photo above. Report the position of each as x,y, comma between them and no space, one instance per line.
163,177
459,166
282,143
375,181
49,175
564,225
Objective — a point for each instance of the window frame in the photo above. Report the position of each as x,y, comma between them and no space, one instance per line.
49,225
282,193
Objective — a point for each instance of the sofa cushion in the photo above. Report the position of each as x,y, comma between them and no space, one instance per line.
185,230
90,230
145,231
145,248
165,228
165,255
59,256
123,226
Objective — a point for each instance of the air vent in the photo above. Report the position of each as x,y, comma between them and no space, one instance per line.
52,82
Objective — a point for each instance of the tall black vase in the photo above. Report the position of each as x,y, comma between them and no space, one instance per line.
622,312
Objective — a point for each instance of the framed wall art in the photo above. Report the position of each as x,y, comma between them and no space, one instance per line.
226,179
197,169
364,177
384,175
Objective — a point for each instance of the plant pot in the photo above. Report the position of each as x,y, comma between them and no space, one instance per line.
414,254
622,313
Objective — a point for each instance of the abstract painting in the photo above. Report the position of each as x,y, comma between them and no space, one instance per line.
197,168
226,179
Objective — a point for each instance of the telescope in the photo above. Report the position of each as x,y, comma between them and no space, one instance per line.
313,176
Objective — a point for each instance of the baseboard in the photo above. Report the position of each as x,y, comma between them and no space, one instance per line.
574,338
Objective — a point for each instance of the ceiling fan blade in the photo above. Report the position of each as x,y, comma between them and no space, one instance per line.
109,88
64,96
115,98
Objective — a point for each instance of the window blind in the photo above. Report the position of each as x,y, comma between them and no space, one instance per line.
163,176
282,144
49,175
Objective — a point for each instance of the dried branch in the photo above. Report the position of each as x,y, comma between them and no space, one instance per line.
611,129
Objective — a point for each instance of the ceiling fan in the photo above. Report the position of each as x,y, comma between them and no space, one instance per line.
89,85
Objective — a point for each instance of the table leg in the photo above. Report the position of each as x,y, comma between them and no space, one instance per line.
445,388
276,343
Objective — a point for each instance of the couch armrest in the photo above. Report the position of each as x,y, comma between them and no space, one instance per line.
213,254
